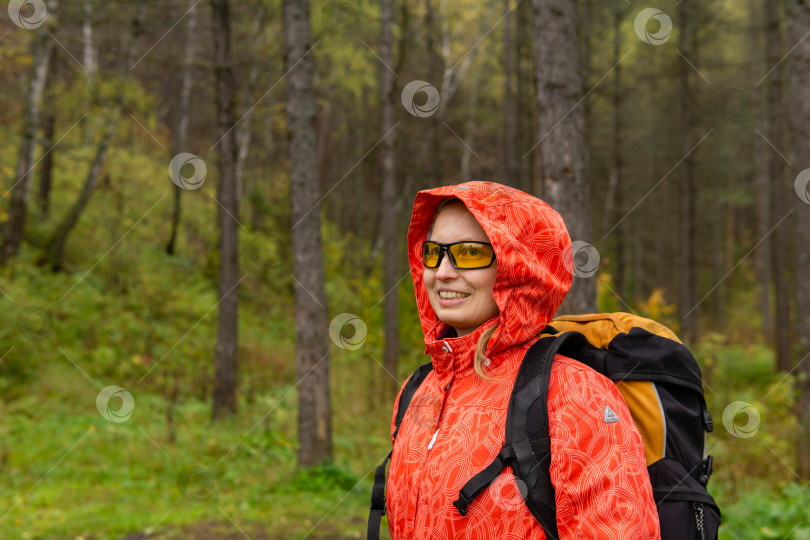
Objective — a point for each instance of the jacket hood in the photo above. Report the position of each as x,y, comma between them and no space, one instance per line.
533,254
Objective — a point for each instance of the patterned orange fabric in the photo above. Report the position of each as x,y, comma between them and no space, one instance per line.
455,423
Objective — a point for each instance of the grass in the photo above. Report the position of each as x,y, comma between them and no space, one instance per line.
70,473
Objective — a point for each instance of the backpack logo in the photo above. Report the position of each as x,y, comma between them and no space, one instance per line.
610,416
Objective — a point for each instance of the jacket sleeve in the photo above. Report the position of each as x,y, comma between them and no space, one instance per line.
598,465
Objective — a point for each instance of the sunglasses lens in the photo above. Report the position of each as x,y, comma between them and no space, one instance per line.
472,254
431,254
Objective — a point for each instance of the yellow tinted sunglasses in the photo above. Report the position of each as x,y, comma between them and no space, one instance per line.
463,255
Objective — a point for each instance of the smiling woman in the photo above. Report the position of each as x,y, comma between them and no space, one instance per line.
491,266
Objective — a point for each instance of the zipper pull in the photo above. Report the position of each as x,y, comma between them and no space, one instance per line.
699,517
433,440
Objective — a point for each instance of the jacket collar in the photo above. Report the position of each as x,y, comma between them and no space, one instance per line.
455,356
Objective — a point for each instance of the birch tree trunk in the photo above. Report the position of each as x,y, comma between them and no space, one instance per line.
225,372
798,23
41,49
561,131
311,326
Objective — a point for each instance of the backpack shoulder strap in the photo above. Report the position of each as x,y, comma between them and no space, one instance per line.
410,388
377,509
527,424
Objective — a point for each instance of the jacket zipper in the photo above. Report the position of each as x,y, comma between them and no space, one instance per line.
429,448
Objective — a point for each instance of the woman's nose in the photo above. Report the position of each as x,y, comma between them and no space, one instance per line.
446,270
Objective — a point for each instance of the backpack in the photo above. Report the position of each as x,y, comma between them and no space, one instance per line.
661,383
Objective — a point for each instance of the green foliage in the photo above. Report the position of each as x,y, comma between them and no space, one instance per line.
769,513
323,477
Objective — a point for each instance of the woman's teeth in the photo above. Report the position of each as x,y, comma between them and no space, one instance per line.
452,294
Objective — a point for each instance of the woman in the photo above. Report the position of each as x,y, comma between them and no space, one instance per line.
489,271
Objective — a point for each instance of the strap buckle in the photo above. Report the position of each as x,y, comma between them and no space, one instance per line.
461,503
705,468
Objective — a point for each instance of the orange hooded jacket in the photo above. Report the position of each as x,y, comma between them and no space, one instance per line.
455,423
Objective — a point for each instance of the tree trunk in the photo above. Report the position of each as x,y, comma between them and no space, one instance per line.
312,337
525,93
618,165
561,132
799,22
55,248
225,373
41,49
243,130
761,181
779,182
46,171
469,128
390,223
512,175
689,313
181,113
89,55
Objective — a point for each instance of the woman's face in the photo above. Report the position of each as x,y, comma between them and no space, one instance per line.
476,303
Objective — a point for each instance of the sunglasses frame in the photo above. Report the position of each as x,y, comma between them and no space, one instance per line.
445,248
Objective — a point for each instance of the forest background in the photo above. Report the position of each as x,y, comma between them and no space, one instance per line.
204,210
